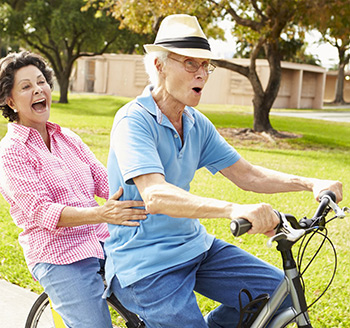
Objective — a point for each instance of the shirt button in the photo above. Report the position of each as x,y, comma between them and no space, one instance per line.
176,136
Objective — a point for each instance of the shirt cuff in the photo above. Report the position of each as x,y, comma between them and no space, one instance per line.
51,218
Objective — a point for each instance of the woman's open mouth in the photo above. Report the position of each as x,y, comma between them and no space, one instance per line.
39,105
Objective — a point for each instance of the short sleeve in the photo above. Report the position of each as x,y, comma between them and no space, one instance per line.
134,144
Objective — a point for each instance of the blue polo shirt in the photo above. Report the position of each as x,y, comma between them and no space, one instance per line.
144,141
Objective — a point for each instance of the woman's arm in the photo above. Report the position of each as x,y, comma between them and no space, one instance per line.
113,212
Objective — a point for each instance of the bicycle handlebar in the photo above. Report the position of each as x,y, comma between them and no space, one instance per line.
240,226
327,202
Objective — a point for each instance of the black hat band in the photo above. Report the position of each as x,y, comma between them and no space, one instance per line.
187,42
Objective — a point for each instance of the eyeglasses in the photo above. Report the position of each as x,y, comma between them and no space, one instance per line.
192,66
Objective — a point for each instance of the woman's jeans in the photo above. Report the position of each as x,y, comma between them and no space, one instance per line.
76,292
166,299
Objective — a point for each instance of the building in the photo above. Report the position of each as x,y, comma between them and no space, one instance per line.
330,87
302,86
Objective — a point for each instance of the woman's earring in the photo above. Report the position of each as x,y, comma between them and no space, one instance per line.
15,110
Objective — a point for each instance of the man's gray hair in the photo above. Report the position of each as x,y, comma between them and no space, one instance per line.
151,69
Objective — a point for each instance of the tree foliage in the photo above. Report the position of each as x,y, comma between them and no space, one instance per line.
261,24
334,24
266,26
61,32
145,16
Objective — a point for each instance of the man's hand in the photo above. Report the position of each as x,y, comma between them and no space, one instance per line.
262,217
321,185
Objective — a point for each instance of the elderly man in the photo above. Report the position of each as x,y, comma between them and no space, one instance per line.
158,141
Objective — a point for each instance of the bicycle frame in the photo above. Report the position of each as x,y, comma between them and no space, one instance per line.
56,318
290,285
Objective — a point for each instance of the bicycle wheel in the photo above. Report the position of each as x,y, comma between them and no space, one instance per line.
40,315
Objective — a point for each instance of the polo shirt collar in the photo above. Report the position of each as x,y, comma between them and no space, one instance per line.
147,102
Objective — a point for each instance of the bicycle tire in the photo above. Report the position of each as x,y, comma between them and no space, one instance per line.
36,313
40,315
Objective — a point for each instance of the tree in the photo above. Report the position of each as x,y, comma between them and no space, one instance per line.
293,50
334,25
61,32
262,24
145,16
269,26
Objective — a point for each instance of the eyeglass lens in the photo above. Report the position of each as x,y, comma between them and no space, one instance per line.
192,66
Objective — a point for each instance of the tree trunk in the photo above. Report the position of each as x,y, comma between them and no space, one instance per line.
63,82
261,116
263,99
339,91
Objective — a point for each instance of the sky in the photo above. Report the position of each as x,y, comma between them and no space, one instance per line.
327,54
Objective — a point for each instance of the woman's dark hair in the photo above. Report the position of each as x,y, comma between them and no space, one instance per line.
8,68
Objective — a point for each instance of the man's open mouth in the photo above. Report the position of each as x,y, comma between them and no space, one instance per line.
197,90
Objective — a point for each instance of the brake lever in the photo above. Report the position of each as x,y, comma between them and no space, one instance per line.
339,212
286,232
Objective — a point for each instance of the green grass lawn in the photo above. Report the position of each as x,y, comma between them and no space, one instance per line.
323,151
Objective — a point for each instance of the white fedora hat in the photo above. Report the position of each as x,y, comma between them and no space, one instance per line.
182,35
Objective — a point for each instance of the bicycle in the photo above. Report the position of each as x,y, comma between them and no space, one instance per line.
262,310
42,315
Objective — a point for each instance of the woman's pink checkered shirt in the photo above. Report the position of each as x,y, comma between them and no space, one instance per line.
39,183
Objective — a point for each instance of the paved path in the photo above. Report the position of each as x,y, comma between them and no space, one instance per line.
15,303
321,115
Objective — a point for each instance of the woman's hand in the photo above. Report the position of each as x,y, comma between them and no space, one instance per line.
122,212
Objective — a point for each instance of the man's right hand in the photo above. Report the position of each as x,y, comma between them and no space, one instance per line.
262,217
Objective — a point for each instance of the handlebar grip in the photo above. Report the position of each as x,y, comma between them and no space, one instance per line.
324,201
329,193
240,226
321,210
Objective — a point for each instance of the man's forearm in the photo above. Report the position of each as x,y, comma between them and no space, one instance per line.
268,181
262,180
165,198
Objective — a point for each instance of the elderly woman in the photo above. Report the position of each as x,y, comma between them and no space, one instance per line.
50,178
158,141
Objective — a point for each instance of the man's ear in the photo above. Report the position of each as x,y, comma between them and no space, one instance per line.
158,64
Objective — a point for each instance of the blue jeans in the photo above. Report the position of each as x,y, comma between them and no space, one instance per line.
166,299
76,292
